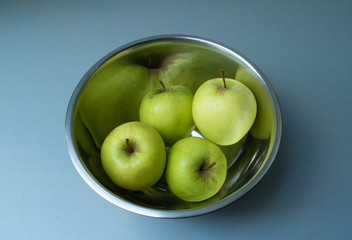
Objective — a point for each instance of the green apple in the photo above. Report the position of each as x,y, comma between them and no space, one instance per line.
224,110
263,124
133,155
169,111
196,169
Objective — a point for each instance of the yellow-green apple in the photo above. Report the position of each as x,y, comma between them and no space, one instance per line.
169,111
133,156
196,169
224,110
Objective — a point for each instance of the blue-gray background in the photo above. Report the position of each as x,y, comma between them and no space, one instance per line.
303,47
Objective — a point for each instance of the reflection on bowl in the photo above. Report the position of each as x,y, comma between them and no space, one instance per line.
110,93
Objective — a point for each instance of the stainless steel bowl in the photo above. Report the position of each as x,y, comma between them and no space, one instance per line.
99,103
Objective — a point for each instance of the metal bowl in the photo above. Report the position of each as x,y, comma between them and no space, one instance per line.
105,98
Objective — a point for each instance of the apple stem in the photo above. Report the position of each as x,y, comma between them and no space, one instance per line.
130,149
208,166
162,84
223,77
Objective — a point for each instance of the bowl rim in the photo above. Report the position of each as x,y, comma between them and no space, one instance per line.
159,213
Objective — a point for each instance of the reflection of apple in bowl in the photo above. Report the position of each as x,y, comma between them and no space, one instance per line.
111,92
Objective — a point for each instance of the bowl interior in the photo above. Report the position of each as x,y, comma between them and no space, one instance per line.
110,94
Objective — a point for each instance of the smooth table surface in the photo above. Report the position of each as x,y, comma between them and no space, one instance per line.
303,47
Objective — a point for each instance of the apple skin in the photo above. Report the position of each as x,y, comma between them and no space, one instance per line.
137,170
263,124
169,112
183,172
224,115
